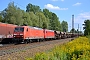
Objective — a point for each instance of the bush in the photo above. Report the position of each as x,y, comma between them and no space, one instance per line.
78,49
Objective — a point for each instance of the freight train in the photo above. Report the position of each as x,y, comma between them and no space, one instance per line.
14,34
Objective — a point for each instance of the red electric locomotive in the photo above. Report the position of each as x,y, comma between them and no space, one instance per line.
27,34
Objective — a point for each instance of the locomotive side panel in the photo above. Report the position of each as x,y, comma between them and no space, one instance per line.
49,33
33,33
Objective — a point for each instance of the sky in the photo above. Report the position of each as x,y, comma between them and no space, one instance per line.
64,9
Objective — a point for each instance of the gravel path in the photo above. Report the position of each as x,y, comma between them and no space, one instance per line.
29,50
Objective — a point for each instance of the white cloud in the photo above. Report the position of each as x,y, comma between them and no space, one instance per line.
77,4
82,17
52,7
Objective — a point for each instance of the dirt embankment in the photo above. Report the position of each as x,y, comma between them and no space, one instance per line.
31,52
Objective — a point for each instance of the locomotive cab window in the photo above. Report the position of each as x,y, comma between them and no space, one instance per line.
19,29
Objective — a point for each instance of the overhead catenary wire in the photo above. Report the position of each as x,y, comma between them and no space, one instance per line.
18,4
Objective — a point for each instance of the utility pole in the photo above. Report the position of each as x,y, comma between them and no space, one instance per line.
72,24
78,29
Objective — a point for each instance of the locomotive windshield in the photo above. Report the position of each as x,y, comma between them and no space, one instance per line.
19,29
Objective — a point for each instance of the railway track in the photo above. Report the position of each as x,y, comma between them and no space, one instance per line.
17,48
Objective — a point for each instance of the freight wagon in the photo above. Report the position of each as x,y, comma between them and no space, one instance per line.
6,32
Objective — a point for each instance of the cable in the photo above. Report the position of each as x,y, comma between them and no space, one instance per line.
17,3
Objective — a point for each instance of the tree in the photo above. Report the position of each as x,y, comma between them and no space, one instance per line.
46,12
86,27
64,26
34,19
27,19
12,14
54,23
8,13
42,20
32,8
0,18
48,15
3,14
73,31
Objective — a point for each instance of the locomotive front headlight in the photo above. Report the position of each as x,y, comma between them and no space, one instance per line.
21,34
